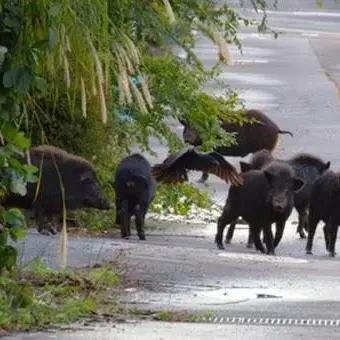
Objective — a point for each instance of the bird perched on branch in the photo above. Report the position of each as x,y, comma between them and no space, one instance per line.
174,169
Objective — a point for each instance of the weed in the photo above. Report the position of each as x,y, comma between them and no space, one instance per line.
179,199
181,316
40,296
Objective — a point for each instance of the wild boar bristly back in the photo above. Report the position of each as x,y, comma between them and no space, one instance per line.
61,157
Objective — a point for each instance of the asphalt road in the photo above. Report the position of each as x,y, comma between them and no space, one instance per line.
177,331
294,80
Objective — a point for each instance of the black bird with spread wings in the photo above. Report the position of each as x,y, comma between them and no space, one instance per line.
175,167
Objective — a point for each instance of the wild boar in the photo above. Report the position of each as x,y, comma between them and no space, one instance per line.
60,172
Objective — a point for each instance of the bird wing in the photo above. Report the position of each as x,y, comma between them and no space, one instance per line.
174,168
177,157
169,177
226,172
214,163
171,170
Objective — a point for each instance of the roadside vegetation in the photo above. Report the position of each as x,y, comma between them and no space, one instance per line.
37,296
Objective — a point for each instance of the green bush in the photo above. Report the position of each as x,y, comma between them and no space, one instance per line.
178,199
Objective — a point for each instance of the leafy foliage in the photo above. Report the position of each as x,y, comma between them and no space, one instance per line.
16,81
177,84
14,176
41,296
178,199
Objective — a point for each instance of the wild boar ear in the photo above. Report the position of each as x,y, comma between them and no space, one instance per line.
245,166
327,165
298,183
269,176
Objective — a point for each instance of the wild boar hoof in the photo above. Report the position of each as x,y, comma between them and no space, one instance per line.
52,231
47,229
44,232
142,237
250,245
332,254
220,246
309,252
227,241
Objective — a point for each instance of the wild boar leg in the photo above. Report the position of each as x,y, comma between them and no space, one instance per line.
312,224
42,227
326,236
140,221
256,230
302,221
332,230
267,230
125,219
280,227
230,232
228,216
250,242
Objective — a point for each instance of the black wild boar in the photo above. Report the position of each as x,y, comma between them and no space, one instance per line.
306,167
251,137
266,197
258,161
324,206
78,177
135,189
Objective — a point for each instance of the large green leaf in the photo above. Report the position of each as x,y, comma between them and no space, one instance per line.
10,77
18,184
8,257
21,141
24,80
13,217
19,77
30,168
17,233
9,131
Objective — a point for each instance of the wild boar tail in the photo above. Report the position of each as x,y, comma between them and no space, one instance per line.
285,132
